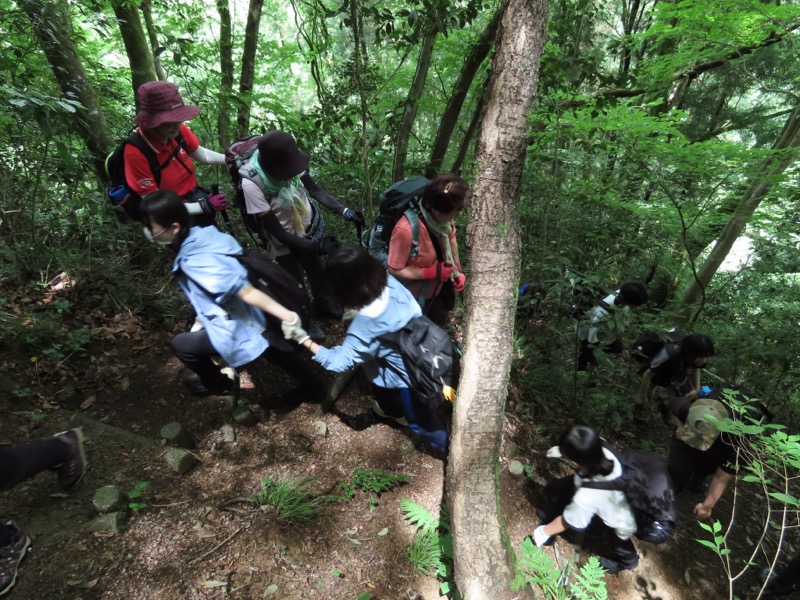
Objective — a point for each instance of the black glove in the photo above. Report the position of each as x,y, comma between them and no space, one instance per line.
326,245
354,216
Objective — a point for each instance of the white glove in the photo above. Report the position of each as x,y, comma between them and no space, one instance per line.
540,537
293,330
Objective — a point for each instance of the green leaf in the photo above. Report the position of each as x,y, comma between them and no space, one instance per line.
785,498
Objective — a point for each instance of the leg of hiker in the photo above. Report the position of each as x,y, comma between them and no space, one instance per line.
312,387
194,349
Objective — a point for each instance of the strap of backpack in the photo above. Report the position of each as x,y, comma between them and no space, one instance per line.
613,484
137,141
414,218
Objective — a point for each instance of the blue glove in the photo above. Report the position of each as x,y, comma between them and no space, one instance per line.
354,216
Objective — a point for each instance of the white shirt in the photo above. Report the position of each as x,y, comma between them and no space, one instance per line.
257,203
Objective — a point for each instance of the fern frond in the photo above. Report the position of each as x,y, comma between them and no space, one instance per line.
419,516
589,583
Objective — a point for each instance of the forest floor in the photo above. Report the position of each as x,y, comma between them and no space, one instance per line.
189,542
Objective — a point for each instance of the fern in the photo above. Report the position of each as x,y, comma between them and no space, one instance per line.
589,583
431,550
419,516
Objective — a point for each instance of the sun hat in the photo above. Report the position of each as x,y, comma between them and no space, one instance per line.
697,431
280,157
160,102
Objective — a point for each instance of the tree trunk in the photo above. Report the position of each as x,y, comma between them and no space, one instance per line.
482,565
52,24
453,110
147,13
226,71
137,46
771,169
468,135
412,104
248,66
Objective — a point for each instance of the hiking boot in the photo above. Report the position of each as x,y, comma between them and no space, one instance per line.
613,567
71,471
224,387
10,556
376,408
315,332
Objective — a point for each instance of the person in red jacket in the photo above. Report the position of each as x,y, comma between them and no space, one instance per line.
160,121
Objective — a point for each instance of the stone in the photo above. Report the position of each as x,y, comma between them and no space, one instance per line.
175,434
228,435
114,522
180,460
516,468
320,428
243,416
108,499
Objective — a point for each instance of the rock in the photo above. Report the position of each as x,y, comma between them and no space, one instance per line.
320,428
108,499
228,403
180,460
228,435
114,522
516,468
176,435
243,416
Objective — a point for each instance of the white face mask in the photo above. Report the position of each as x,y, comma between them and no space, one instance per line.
153,239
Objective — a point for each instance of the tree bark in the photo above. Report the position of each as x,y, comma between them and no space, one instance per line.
226,72
453,110
412,104
52,25
248,66
147,13
137,46
482,564
783,154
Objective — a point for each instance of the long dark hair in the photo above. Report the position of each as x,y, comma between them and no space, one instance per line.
356,278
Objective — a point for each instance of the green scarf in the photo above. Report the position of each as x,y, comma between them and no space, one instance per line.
290,193
442,231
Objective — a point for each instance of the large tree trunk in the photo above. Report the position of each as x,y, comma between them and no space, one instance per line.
248,66
137,46
453,110
482,566
52,25
412,104
147,13
771,169
226,71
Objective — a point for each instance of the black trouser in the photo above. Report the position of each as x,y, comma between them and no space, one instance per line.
587,357
18,463
301,260
559,493
194,349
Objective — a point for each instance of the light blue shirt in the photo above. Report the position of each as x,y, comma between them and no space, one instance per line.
211,277
392,311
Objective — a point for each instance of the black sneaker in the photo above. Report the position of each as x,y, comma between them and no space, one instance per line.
613,567
71,471
224,387
10,556
316,333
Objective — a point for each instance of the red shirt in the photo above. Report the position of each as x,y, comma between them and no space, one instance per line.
400,244
173,176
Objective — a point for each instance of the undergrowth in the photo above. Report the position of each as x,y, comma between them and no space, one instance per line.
292,499
431,550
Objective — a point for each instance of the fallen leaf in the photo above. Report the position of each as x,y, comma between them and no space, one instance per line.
383,531
271,589
212,583
88,402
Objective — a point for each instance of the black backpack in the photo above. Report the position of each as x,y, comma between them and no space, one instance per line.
648,489
648,345
119,192
431,358
402,198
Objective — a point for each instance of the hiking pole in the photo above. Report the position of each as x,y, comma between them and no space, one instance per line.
225,217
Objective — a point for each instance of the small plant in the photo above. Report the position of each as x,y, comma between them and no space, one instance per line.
375,481
431,550
136,503
293,500
536,568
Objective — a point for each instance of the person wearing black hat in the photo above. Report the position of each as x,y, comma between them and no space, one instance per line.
278,190
160,120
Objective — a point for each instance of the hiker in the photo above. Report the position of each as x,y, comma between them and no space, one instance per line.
228,306
63,453
602,326
698,448
359,282
160,121
575,507
277,189
676,367
433,275
785,582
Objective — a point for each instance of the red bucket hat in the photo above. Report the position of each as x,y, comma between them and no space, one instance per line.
280,157
160,102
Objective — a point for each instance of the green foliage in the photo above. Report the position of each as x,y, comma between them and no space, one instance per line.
536,568
371,481
135,496
293,500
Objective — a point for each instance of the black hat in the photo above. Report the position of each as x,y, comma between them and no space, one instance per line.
280,157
